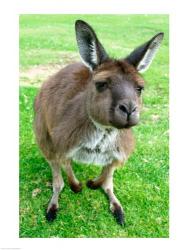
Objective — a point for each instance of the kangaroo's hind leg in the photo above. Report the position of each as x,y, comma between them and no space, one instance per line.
58,185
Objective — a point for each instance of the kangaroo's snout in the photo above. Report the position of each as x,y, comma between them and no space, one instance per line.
127,109
126,114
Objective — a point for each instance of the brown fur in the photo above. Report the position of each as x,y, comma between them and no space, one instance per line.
56,100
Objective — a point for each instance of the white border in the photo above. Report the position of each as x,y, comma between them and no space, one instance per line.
95,6
10,120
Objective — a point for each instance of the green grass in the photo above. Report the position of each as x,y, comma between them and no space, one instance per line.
142,185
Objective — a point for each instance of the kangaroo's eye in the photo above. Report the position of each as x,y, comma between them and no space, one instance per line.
139,89
101,86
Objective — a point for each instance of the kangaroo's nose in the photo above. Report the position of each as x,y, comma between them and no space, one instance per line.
127,109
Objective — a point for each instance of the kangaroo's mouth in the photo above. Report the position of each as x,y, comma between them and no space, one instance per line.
121,122
122,126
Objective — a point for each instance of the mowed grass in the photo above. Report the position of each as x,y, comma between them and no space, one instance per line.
142,185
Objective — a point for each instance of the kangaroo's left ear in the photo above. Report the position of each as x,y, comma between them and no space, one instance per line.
142,57
90,48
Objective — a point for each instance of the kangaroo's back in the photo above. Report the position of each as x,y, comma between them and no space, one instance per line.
61,88
53,100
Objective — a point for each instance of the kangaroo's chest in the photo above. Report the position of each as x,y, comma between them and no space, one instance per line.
98,148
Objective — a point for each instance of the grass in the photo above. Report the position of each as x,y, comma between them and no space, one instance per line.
142,185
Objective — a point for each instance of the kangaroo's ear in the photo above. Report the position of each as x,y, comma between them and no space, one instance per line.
90,49
142,57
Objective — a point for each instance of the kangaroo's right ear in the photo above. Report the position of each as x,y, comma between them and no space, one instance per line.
142,56
90,49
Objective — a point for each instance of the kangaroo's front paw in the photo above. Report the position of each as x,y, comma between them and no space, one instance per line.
118,213
51,213
76,187
93,184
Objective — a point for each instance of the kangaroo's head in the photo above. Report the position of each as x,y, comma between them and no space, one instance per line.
114,90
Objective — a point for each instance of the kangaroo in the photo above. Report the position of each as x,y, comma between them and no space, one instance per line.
84,113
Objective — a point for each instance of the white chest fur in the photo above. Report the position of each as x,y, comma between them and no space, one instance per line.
98,148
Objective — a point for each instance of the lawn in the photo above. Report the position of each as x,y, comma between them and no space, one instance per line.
47,42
